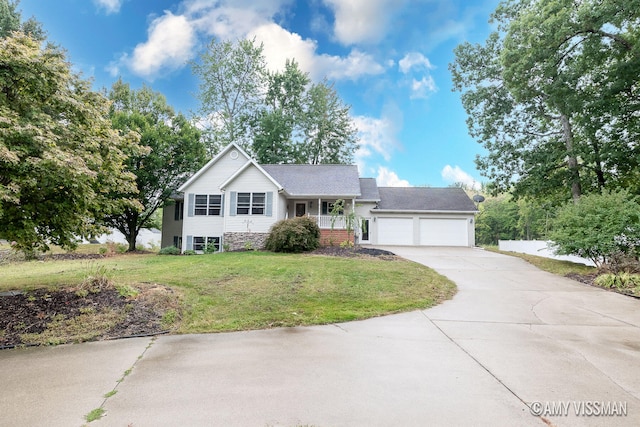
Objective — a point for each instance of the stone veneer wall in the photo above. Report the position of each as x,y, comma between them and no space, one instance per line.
237,241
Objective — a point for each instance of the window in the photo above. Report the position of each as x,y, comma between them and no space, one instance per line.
327,208
257,205
198,243
206,244
208,204
177,241
179,211
215,204
244,203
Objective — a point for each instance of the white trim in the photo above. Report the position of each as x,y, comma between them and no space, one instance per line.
400,211
211,163
243,168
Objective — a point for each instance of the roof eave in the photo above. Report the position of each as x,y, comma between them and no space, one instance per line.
458,212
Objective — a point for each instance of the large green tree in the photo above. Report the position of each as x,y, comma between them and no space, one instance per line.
60,159
11,20
553,96
279,117
232,83
172,150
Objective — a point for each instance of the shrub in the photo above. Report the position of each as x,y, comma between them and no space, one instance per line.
294,235
600,227
620,281
169,250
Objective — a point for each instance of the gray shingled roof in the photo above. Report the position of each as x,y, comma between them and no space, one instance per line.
425,199
369,189
316,180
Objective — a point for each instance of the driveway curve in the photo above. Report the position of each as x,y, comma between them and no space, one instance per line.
512,338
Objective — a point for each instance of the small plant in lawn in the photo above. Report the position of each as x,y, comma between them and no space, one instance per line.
127,291
248,246
169,250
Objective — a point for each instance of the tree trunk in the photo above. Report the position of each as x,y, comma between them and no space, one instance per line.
572,161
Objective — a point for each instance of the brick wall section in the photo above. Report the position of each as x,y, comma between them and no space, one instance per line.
334,237
237,241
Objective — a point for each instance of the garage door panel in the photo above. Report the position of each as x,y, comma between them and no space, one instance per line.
395,231
444,232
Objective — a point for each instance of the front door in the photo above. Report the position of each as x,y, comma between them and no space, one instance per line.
301,209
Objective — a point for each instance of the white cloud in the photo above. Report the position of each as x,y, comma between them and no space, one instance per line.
170,45
456,175
388,178
109,6
414,60
376,136
362,21
172,40
421,89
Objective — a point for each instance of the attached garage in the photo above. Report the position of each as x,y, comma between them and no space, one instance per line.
444,232
395,231
423,216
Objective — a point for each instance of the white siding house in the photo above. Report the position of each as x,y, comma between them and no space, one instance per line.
232,202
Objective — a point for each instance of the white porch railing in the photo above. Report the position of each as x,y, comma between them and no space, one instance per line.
324,222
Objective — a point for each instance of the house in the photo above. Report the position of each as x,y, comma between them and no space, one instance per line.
232,202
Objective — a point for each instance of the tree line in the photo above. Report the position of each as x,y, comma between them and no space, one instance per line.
75,161
553,96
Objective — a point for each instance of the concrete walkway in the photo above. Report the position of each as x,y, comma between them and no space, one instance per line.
512,336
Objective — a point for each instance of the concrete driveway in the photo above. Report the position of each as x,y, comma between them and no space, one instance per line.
512,338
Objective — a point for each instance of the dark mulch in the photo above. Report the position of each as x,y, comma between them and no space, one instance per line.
31,312
353,252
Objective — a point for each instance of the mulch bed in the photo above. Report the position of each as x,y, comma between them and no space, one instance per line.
31,313
353,252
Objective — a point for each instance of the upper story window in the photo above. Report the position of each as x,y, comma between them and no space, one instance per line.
251,203
210,204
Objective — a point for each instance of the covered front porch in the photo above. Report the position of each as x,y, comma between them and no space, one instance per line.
321,210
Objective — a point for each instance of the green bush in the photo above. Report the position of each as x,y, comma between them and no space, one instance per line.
294,235
600,227
169,250
619,281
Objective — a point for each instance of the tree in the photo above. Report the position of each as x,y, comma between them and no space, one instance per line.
330,136
599,227
172,151
553,97
59,157
11,20
279,117
278,135
232,81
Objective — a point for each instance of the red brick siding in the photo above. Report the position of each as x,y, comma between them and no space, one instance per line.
334,237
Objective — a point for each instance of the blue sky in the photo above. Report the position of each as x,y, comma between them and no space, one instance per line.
388,59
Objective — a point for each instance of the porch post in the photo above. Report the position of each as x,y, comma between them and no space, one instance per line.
319,207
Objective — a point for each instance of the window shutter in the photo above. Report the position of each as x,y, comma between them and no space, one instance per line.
232,203
269,207
189,243
192,202
222,205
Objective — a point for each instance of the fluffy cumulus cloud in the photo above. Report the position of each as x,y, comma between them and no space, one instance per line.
412,64
456,175
173,38
421,89
362,21
109,6
170,45
414,60
388,178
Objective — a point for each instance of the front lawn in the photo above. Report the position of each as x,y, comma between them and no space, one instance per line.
252,290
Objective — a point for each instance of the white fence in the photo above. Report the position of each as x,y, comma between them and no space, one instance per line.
539,248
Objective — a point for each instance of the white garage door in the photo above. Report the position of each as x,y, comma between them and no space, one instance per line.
444,232
395,231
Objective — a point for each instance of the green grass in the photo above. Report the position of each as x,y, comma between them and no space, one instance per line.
561,268
255,290
95,414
